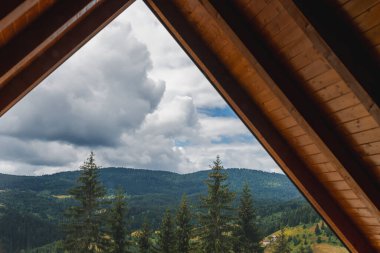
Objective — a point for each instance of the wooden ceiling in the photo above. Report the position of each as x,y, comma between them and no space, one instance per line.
304,76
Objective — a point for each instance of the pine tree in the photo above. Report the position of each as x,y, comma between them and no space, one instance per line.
166,241
246,233
183,231
143,241
317,231
281,243
216,222
323,226
84,226
118,224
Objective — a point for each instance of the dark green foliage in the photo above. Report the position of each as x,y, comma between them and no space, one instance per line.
166,239
145,182
24,231
183,227
84,226
277,202
323,227
317,231
281,244
246,235
118,226
144,239
216,220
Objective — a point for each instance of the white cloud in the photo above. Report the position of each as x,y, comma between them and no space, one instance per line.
133,97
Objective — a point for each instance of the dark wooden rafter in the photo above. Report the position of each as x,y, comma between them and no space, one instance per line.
8,6
96,17
291,92
335,37
258,123
19,53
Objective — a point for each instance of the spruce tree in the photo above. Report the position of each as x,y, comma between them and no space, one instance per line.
281,243
183,231
166,241
143,241
217,219
246,234
84,225
118,224
323,226
317,231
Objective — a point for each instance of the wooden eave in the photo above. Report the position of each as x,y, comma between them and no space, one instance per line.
304,76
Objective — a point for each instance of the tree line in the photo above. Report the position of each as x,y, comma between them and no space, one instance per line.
99,224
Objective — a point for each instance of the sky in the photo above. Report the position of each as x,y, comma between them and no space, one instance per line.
134,98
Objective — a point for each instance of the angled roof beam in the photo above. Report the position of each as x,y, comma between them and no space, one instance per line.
93,16
33,40
336,38
257,122
290,91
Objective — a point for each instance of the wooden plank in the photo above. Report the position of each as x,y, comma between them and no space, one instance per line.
8,6
374,160
272,104
361,212
281,22
323,167
348,194
373,35
323,80
342,46
368,19
295,47
331,177
287,36
46,62
368,136
294,131
258,123
342,102
19,54
369,148
302,140
268,14
350,114
358,125
356,7
304,59
314,69
290,92
332,91
254,7
310,149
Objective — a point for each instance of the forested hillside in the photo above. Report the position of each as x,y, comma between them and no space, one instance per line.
31,208
141,182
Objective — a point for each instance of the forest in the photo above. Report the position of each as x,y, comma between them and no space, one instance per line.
126,210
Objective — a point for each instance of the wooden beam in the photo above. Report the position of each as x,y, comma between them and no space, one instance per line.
20,16
336,38
41,33
8,6
25,80
258,123
307,113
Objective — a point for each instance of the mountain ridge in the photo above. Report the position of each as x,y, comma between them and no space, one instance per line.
144,181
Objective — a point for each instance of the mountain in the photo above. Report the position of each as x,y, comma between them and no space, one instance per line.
141,182
32,207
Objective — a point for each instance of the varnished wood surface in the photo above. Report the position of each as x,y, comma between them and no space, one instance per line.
306,83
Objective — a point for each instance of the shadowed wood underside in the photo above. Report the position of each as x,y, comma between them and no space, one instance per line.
302,75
